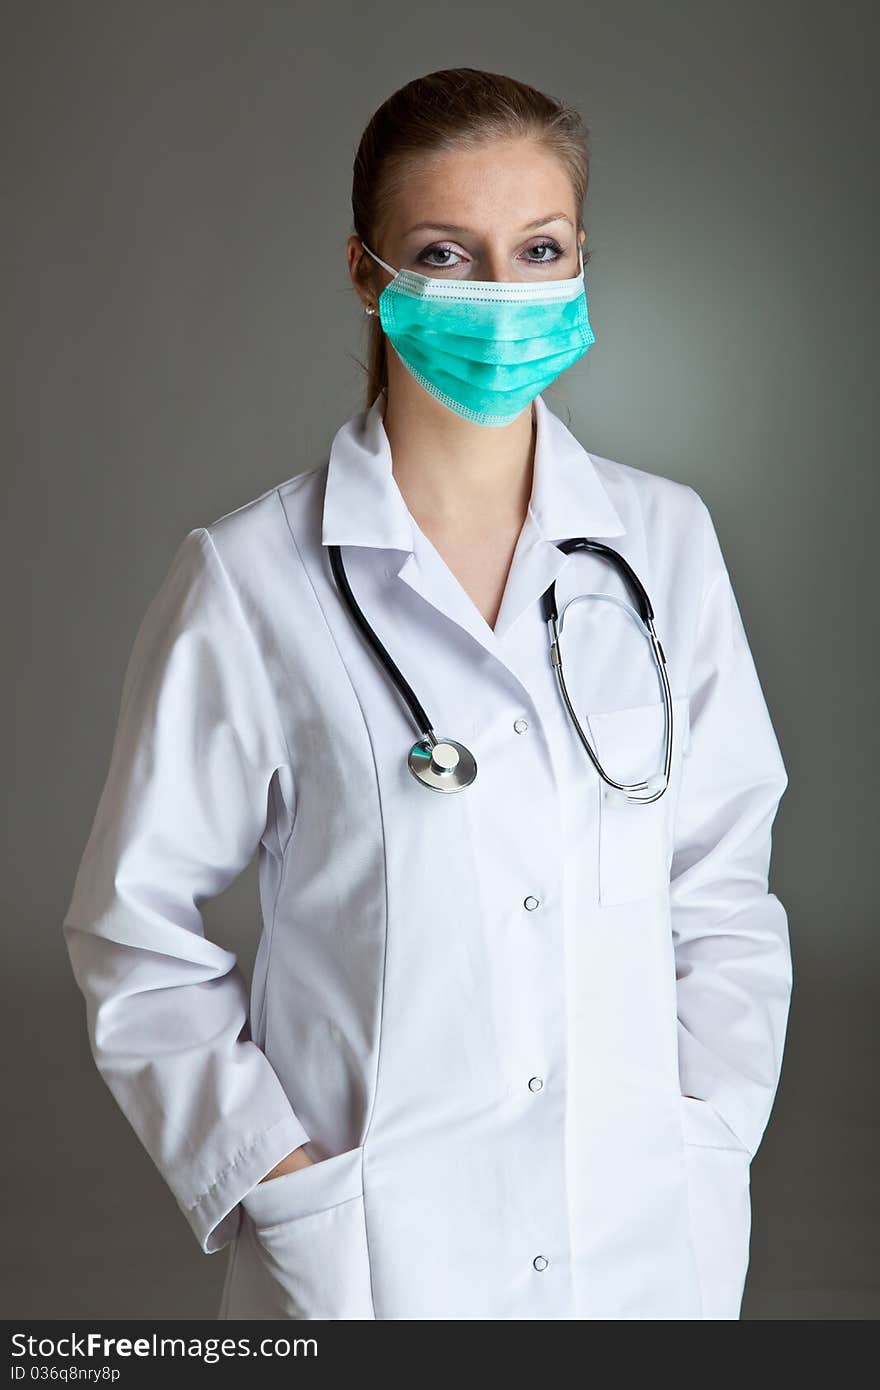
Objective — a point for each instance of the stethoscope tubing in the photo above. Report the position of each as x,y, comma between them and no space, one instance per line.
416,709
439,776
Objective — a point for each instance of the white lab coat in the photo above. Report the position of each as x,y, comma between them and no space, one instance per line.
531,1036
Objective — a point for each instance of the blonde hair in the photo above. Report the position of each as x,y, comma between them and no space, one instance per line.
453,108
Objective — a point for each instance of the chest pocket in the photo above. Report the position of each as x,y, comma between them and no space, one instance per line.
636,842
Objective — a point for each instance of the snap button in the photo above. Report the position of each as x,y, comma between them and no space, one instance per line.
539,1262
520,725
530,904
535,1083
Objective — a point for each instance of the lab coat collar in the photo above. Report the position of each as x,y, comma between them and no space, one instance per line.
364,506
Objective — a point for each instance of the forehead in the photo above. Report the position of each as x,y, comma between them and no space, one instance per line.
497,182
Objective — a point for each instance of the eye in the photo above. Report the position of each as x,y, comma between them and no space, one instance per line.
422,258
547,244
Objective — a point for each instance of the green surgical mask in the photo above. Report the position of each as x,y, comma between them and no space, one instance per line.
485,348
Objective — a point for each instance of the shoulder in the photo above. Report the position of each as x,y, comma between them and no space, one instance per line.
252,541
670,533
643,487
656,505
254,520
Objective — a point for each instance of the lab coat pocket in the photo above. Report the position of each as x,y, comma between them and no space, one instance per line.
635,841
309,1226
719,1194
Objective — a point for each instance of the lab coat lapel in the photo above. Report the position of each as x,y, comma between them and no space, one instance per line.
362,503
363,506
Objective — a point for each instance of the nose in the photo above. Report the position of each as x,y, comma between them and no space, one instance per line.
499,267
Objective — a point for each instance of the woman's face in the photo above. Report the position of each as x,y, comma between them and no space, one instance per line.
502,211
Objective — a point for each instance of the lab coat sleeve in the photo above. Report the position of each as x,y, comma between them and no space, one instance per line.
730,933
182,811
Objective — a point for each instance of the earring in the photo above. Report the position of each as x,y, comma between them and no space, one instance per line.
369,309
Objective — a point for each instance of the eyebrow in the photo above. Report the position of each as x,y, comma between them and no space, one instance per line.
451,227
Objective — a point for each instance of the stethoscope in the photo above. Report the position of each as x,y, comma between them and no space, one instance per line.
447,766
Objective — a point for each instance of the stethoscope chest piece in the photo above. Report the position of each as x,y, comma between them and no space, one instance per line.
445,765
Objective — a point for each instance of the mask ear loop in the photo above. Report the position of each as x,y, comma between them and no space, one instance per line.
389,268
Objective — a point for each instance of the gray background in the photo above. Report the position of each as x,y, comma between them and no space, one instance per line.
184,336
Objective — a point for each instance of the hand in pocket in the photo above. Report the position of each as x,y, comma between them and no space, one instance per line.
297,1158
308,1232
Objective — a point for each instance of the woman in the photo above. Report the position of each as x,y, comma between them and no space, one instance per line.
508,1052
